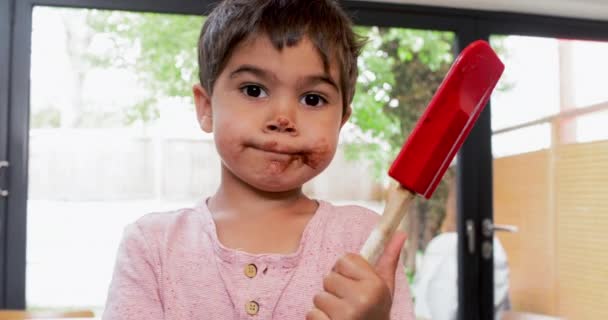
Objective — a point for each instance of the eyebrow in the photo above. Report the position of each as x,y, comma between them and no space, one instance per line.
261,73
258,72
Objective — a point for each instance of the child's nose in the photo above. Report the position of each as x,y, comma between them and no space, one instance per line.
281,124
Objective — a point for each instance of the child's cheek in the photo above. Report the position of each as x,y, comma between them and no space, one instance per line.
227,141
320,155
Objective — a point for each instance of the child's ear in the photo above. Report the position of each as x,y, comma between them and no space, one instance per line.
202,101
346,115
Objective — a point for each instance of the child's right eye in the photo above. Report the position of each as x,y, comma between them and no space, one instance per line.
254,91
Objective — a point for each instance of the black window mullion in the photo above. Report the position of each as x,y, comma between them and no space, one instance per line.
407,16
189,7
5,40
474,204
14,276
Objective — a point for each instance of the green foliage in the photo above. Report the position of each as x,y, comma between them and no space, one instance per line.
142,111
399,72
409,274
46,118
160,48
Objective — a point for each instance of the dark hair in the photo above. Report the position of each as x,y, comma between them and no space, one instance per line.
285,22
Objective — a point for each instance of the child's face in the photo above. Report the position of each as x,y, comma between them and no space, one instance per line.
276,115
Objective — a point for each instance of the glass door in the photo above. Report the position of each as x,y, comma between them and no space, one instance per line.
550,162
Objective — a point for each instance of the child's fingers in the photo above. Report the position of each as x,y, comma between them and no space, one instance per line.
316,314
338,285
388,261
332,306
353,266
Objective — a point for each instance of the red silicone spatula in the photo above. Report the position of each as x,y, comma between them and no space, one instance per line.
437,136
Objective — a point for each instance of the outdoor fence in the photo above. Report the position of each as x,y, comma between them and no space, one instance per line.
114,165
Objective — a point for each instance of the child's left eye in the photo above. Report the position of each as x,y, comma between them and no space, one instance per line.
313,100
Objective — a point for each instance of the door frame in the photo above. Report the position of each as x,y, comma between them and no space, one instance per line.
5,62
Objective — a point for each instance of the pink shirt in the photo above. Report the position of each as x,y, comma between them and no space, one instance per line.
172,266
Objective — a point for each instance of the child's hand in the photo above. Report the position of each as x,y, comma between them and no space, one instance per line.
356,290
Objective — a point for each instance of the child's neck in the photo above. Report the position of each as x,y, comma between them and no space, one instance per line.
235,196
254,221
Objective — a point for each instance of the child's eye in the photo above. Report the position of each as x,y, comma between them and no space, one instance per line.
313,100
254,91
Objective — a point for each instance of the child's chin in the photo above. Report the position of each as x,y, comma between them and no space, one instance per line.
278,186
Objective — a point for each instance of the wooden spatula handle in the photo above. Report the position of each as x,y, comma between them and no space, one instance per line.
396,207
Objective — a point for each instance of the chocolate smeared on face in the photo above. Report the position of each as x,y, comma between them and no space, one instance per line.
311,156
315,156
283,122
278,166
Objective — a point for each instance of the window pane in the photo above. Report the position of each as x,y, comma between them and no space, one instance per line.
588,67
108,143
529,87
551,176
592,127
536,137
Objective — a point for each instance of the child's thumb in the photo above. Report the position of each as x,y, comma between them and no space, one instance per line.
388,261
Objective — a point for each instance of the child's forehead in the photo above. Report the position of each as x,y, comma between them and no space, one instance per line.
258,48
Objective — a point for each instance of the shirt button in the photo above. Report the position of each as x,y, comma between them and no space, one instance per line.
252,308
251,270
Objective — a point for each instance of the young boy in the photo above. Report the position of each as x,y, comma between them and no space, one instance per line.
276,81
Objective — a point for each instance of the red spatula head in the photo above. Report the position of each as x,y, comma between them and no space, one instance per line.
448,119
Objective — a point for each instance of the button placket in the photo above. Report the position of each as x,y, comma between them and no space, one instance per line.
252,307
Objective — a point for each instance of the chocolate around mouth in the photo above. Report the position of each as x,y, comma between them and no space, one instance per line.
309,156
274,146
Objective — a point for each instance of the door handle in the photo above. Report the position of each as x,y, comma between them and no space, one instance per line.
470,232
488,228
3,193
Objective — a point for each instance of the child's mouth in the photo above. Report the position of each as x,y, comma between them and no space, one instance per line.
280,158
274,147
282,155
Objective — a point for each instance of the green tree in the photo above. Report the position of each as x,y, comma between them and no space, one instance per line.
399,71
160,48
